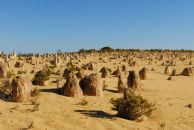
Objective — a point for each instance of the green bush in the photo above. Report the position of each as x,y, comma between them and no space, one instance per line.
40,77
132,107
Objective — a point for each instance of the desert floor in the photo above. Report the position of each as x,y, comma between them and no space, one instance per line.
57,112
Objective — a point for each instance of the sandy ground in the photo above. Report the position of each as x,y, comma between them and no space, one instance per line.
57,112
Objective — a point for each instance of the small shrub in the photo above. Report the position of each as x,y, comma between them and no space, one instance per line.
132,107
40,78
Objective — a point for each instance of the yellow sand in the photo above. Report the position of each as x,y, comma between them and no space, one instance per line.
57,112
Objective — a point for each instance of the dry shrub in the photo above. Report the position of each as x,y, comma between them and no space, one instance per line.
132,107
40,78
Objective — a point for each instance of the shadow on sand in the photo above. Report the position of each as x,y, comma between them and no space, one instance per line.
52,90
110,90
96,114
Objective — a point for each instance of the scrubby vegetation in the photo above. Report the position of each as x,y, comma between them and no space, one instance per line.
132,107
40,78
109,49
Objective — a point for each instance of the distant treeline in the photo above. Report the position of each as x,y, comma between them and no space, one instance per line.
106,49
109,49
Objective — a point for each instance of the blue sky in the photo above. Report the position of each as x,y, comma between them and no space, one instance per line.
69,25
